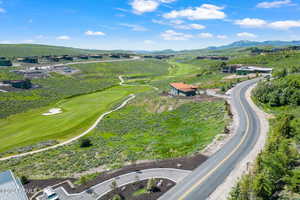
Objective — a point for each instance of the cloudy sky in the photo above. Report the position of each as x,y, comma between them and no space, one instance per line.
147,24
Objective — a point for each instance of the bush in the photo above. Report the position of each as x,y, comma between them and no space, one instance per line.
117,197
86,142
24,180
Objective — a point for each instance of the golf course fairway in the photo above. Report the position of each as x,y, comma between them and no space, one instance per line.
78,114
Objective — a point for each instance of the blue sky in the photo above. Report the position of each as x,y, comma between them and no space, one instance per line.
147,24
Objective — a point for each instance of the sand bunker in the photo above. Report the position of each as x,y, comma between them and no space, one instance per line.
53,111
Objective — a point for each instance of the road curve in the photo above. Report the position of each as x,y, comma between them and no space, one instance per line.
208,176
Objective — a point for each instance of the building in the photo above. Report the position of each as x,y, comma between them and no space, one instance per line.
22,84
5,62
213,58
231,68
251,69
34,60
96,56
11,187
182,89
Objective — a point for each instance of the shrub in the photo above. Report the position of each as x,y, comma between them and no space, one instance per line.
86,142
24,180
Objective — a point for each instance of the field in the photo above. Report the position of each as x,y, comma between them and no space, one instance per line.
141,131
17,131
152,126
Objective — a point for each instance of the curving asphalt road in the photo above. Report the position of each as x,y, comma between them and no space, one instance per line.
207,177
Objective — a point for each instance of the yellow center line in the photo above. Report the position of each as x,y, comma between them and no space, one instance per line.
223,161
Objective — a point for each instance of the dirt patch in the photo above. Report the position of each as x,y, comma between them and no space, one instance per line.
127,192
185,163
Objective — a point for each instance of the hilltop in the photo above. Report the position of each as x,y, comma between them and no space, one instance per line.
15,50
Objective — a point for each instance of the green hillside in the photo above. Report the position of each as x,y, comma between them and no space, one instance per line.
18,50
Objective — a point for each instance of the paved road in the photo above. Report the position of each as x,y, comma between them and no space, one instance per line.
206,178
103,188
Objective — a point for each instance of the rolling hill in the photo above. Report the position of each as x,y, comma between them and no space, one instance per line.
18,50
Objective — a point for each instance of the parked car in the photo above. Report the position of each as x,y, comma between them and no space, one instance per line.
50,194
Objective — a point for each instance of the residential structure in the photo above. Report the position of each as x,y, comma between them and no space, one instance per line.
212,58
231,68
252,69
22,84
5,62
182,89
11,187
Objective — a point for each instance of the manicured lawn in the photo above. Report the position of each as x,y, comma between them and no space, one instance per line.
78,114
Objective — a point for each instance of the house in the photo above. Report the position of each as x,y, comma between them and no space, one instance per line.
11,187
84,57
5,62
96,56
213,58
34,60
182,89
251,69
230,68
22,84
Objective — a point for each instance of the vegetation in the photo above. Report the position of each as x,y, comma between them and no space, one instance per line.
284,91
85,142
17,131
19,50
276,172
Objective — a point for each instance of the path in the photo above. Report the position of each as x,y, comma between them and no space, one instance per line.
103,188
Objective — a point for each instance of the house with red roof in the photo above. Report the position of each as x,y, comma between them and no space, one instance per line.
182,89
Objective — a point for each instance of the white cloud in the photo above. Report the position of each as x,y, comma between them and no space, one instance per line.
5,42
143,6
2,10
28,41
274,4
149,42
173,35
222,36
285,25
177,21
94,33
206,35
246,35
63,37
135,27
251,22
205,11
190,26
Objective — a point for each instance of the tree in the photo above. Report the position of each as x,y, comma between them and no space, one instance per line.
262,186
24,180
114,185
117,197
86,142
151,185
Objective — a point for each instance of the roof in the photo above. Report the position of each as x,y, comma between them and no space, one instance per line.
253,68
10,187
184,87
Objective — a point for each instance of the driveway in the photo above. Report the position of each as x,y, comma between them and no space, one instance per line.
97,191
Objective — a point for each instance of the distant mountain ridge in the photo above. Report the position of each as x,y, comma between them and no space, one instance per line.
247,43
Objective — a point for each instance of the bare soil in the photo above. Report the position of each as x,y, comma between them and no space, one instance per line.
127,191
185,163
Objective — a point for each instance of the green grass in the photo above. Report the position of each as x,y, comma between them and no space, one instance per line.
18,50
78,114
140,192
140,131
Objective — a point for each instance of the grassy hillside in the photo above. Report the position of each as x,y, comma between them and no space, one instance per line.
18,50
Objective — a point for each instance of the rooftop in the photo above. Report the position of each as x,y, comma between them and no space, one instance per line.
184,87
10,187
